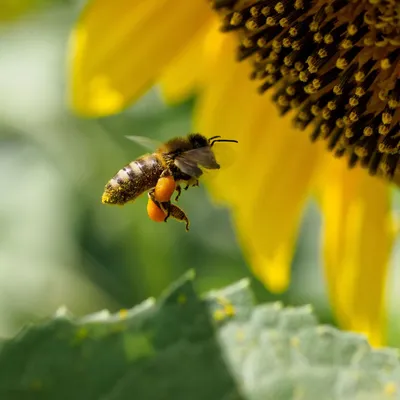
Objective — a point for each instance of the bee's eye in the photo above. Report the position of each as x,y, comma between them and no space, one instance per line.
198,141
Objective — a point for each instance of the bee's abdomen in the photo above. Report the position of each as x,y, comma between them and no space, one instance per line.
132,180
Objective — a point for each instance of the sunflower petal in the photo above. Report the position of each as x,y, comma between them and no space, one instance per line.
272,221
112,63
267,185
184,75
359,235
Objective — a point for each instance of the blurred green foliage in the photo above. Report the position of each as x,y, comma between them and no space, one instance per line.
13,9
183,346
58,243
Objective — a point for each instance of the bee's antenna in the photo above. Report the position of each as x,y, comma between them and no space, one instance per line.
222,140
213,137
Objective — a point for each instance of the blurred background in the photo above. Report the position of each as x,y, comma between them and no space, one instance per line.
58,244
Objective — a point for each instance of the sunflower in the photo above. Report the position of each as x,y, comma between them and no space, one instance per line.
332,66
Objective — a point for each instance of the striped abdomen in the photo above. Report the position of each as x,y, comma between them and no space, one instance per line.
134,179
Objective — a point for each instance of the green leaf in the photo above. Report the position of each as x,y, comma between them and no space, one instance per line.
13,9
219,346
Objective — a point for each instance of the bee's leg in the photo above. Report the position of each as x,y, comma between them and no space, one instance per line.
165,206
171,210
195,183
166,173
150,194
179,215
179,190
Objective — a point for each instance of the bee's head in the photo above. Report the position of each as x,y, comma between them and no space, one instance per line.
198,141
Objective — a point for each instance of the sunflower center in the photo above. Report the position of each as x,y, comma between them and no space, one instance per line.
335,62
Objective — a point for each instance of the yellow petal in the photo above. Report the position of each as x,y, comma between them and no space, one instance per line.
118,49
227,106
282,173
268,183
184,74
359,235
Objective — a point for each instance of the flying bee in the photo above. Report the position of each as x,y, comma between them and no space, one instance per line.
180,160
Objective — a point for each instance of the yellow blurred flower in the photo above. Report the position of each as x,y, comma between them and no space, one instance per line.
120,48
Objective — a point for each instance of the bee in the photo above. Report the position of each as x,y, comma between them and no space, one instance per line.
161,173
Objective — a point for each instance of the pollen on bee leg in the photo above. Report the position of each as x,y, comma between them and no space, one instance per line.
154,212
164,189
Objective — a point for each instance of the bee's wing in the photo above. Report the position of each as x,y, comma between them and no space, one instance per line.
188,167
144,141
191,161
203,156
